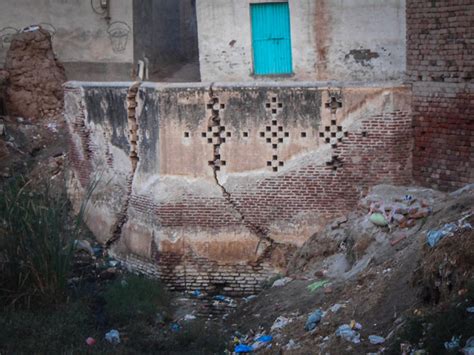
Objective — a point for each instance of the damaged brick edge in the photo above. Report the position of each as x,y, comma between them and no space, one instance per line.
134,158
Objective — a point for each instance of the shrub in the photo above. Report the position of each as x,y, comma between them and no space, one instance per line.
135,297
36,241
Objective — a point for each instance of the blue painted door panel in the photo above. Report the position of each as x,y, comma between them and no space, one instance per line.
271,38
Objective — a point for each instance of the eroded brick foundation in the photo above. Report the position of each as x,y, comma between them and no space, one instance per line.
221,206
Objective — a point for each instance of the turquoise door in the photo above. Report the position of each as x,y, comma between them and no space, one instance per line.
271,38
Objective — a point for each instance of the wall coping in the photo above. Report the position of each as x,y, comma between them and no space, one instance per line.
224,85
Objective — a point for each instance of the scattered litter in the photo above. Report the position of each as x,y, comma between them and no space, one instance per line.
83,245
282,282
347,333
291,345
375,339
91,341
469,347
31,28
124,283
189,317
249,298
53,127
175,327
2,129
378,219
280,323
242,348
197,293
452,344
114,263
113,336
434,236
318,284
336,307
355,325
224,299
262,341
313,320
470,309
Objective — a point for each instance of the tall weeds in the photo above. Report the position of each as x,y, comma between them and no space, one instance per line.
37,236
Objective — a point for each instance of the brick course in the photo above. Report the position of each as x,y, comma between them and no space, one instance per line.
440,64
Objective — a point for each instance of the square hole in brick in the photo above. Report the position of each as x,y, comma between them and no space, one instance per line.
203,134
280,129
321,134
223,162
339,128
275,157
274,134
209,106
327,128
333,134
186,134
209,140
209,129
274,122
268,105
217,167
280,105
222,140
269,140
274,99
246,134
364,134
217,156
274,146
280,140
334,145
215,134
262,134
211,163
268,128
303,134
346,134
333,122
274,110
222,106
229,134
275,169
327,140
281,163
287,134
269,163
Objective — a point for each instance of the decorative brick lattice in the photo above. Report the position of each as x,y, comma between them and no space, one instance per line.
274,134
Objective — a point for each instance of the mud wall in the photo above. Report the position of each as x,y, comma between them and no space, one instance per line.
90,46
351,40
441,67
228,179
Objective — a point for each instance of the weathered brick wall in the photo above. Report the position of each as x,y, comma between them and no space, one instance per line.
440,64
230,180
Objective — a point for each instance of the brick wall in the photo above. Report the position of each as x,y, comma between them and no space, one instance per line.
294,157
440,64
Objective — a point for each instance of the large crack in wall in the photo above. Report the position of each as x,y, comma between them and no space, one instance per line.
215,126
134,158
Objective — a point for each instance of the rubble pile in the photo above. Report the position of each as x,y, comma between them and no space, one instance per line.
35,76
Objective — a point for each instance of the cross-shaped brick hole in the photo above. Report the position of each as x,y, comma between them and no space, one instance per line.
274,135
334,103
332,133
274,106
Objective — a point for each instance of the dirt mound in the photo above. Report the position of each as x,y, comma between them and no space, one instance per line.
35,76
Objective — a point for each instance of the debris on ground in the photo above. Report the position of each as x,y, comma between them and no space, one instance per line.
113,336
313,320
282,282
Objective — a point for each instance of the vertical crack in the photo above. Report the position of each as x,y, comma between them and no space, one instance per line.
134,158
215,124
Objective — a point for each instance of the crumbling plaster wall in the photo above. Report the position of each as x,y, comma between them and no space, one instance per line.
230,178
352,40
89,47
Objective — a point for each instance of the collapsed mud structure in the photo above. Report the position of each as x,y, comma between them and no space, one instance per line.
35,76
214,186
